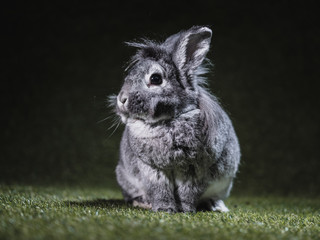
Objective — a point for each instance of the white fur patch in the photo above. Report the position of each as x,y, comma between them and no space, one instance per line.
219,206
140,129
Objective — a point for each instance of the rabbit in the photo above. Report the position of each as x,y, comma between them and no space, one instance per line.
179,151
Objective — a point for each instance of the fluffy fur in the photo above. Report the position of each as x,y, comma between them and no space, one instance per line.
179,151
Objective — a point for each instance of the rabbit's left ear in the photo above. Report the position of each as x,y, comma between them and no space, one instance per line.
191,48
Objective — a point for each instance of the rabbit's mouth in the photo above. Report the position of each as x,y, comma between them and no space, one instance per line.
149,117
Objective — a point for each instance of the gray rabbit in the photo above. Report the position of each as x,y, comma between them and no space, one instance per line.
179,151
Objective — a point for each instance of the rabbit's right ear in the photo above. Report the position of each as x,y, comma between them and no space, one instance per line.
190,48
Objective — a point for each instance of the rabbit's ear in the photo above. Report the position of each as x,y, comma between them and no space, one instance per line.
190,48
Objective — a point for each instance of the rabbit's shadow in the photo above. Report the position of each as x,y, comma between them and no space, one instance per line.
99,203
115,203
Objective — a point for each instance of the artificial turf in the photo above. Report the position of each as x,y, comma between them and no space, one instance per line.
29,212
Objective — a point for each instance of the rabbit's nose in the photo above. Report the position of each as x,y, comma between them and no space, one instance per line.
123,97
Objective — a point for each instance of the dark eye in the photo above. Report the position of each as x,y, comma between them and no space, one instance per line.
155,79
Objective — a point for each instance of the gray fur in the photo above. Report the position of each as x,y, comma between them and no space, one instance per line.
179,151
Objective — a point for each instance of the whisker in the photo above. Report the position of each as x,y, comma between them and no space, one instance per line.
113,124
100,121
115,128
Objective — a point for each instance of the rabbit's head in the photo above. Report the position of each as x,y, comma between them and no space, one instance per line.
162,78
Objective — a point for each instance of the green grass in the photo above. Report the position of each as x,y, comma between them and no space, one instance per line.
88,213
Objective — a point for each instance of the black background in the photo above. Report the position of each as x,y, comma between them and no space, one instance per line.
60,61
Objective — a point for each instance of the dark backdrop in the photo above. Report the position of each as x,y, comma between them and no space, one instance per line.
60,61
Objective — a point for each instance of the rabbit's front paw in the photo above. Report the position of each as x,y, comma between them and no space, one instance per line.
165,208
187,207
168,210
141,204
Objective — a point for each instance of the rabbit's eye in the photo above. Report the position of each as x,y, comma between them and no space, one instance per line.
155,79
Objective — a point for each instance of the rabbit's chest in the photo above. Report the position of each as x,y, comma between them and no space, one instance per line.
167,146
168,152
